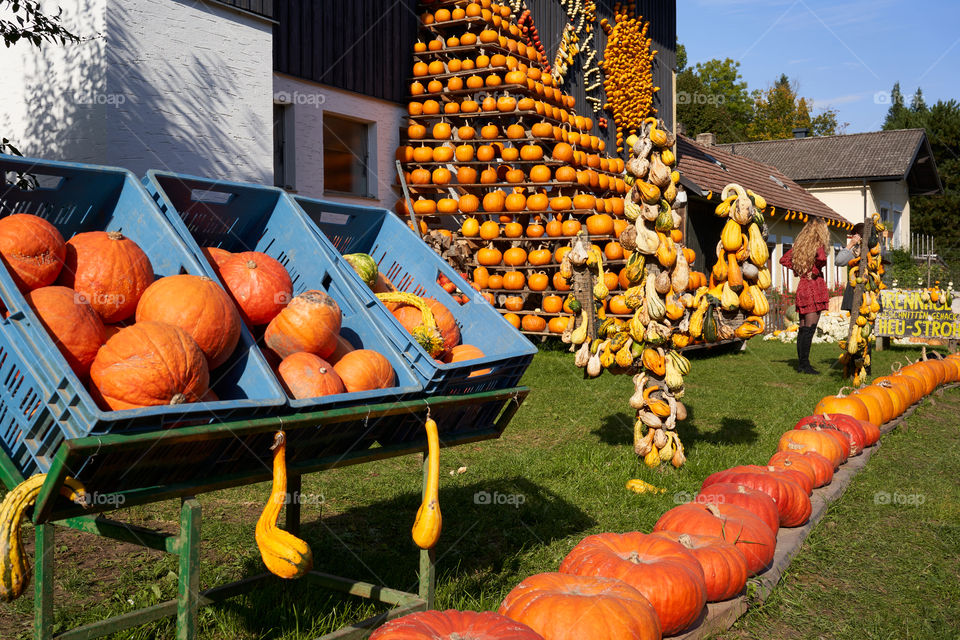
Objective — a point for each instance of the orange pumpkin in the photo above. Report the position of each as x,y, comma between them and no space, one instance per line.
311,323
560,283
513,280
489,256
464,153
538,281
513,319
200,307
535,229
847,405
495,282
365,370
532,322
467,175
514,257
540,256
72,323
571,227
513,229
540,173
489,230
463,353
552,304
481,277
560,203
109,270
599,224
259,285
411,318
443,153
618,305
557,324
32,250
149,364
531,152
493,202
306,375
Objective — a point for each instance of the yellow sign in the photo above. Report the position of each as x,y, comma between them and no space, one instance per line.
905,314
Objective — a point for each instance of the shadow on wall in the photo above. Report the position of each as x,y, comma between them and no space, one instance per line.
143,101
190,109
64,88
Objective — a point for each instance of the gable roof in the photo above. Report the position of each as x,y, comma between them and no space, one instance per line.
900,154
710,169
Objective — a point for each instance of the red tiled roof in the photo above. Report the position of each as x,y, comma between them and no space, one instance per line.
712,168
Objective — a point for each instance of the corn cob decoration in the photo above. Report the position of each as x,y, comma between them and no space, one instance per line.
14,569
855,350
628,71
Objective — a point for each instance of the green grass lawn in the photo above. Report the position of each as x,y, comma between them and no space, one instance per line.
558,474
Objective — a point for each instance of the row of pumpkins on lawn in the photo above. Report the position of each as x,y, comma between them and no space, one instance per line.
145,341
634,585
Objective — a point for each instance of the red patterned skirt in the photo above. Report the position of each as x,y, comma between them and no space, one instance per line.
812,295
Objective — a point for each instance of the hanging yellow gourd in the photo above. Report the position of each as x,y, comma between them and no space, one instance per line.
14,569
427,526
284,554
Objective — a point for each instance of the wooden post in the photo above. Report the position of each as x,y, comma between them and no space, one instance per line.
583,286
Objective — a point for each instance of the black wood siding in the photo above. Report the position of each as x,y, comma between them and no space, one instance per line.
266,8
364,46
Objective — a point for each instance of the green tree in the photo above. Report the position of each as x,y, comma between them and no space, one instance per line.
897,111
712,97
25,20
779,109
917,103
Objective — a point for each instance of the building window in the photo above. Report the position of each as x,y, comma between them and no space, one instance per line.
283,158
345,156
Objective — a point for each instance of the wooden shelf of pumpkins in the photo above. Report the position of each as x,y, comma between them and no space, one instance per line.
473,69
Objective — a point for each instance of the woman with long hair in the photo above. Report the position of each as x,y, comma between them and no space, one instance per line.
807,258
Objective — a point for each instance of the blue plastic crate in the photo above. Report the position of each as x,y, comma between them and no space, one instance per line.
43,400
247,217
413,266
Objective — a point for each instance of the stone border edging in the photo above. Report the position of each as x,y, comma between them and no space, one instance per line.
720,616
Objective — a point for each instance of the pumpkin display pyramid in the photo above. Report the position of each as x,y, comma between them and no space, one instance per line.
496,156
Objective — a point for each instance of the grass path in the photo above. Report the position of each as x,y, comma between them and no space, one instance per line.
556,475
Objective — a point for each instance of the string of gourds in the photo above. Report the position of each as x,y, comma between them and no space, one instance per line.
740,275
628,69
855,350
659,276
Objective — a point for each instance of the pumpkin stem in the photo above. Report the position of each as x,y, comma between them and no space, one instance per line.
279,439
714,510
842,393
634,557
686,540
114,235
251,264
178,398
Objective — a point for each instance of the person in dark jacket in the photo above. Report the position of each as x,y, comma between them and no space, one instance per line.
807,258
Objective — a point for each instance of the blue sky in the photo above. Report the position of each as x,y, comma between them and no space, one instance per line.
842,54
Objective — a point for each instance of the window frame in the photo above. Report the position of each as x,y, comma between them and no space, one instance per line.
369,140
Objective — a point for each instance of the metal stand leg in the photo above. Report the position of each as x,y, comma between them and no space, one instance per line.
188,588
294,486
428,568
43,585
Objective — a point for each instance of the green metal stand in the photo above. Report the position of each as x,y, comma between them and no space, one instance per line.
51,512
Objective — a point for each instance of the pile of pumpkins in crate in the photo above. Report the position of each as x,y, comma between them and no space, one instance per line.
140,341
615,586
